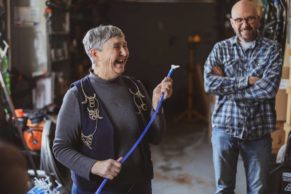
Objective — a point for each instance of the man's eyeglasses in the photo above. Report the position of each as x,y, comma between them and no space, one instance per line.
249,20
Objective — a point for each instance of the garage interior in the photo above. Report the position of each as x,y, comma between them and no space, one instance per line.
42,54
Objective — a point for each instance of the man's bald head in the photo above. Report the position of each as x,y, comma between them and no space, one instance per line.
242,6
245,20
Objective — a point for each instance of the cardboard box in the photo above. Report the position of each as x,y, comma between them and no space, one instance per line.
285,72
281,105
281,97
278,137
287,129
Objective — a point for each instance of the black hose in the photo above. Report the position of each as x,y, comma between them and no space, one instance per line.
48,163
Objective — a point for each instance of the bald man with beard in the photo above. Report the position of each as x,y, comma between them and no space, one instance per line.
244,73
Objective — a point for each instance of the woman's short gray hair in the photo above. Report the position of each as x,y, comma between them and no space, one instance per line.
96,37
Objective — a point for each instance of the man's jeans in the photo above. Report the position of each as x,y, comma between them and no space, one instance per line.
256,155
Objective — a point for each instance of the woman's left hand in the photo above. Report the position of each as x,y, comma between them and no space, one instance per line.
166,87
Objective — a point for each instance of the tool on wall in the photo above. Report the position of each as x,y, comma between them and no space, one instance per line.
5,81
274,20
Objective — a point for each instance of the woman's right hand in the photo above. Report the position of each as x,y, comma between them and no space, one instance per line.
107,168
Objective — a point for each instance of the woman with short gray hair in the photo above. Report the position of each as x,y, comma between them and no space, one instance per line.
102,116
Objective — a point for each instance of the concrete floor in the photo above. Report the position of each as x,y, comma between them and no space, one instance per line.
183,162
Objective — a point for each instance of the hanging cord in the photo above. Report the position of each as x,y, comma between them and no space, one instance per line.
173,67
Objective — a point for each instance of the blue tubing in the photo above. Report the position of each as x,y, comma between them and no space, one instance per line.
142,134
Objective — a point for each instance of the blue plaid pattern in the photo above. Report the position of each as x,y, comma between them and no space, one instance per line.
242,110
